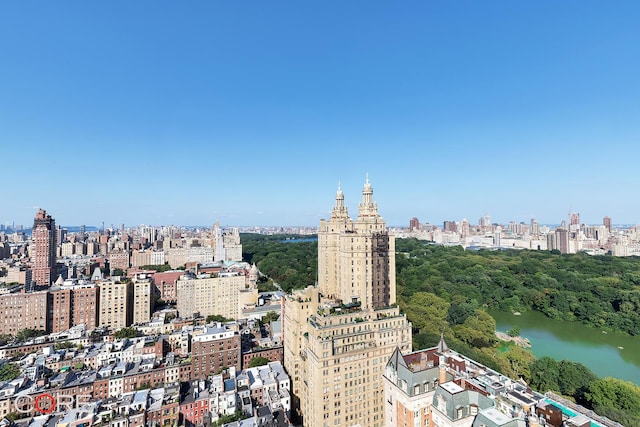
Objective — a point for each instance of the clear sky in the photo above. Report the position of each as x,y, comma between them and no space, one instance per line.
250,113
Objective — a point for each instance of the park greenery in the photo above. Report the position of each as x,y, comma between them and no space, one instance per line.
446,291
598,291
290,264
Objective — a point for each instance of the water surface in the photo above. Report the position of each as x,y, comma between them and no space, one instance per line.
606,354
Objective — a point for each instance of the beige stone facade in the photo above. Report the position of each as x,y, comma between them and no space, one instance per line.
210,295
340,334
115,305
143,299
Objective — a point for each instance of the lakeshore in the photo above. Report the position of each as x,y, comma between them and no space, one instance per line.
518,340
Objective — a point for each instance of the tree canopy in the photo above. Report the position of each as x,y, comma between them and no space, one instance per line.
290,264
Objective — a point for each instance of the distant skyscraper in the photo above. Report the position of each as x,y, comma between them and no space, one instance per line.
561,241
497,236
574,222
606,221
535,227
450,226
414,224
44,249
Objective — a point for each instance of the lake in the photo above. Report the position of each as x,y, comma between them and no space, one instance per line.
598,351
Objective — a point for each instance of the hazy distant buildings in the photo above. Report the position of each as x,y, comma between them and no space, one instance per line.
414,224
606,221
535,227
226,244
340,334
44,249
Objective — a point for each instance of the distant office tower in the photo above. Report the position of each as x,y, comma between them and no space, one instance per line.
414,224
485,223
561,241
340,334
226,244
606,221
574,222
44,249
535,227
464,228
497,236
450,226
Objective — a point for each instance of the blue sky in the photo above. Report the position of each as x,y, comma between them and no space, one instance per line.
251,112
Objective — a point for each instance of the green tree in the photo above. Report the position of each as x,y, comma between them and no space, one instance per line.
516,362
614,396
477,330
227,419
9,371
426,311
13,416
574,379
217,318
514,332
545,375
258,361
128,332
27,334
271,316
63,345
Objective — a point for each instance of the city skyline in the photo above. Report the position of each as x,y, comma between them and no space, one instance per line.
157,113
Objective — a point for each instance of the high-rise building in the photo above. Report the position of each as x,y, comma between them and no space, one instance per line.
226,244
115,306
210,295
22,310
450,226
44,269
535,227
561,241
143,298
340,334
606,221
414,224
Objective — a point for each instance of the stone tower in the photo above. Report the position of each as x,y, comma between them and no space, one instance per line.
340,333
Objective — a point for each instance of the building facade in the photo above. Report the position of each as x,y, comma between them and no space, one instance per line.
208,295
214,348
115,307
22,310
340,334
143,299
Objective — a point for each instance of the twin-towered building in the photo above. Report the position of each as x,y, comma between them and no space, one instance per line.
340,334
